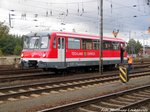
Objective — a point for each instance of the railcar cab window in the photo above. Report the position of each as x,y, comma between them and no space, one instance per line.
26,41
35,42
73,43
44,42
106,45
115,45
86,44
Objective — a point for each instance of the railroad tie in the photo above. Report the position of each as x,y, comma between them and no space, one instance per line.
2,93
133,97
97,106
22,90
31,89
78,88
63,90
34,95
141,95
12,99
62,84
110,104
118,101
45,93
148,91
70,89
85,110
90,85
144,93
48,86
55,85
75,82
1,102
69,83
12,92
40,87
54,92
126,99
24,97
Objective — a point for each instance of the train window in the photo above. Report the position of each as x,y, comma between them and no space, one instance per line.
63,43
34,43
96,44
59,45
115,45
54,42
26,41
86,44
44,42
106,45
73,43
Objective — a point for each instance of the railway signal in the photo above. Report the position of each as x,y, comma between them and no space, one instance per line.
10,18
115,33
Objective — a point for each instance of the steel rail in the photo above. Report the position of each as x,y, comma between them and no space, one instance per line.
38,88
83,103
41,75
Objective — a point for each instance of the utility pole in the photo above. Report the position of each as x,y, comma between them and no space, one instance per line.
101,38
10,20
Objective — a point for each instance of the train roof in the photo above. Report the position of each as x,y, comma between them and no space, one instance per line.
71,34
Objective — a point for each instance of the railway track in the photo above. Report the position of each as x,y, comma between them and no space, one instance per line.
10,71
125,101
42,75
18,71
31,74
37,89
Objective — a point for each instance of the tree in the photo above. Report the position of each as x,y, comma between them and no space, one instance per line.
138,47
9,44
17,49
133,47
4,30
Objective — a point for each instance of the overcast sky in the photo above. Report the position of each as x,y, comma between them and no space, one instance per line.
130,17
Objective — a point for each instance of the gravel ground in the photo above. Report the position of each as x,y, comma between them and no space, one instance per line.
35,103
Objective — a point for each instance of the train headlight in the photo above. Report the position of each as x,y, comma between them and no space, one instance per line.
22,55
44,55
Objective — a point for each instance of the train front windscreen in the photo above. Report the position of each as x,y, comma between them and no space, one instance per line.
35,42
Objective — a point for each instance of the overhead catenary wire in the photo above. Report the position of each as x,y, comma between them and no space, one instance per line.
71,13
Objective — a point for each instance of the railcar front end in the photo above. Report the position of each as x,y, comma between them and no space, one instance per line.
36,50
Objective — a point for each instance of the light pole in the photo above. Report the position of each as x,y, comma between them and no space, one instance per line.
101,38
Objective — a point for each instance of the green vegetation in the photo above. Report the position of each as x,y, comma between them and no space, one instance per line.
9,44
133,47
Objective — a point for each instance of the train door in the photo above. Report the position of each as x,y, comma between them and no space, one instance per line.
61,51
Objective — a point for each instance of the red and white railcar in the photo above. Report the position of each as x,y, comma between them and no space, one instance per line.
60,50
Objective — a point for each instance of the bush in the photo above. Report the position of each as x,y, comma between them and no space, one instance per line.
10,45
1,53
17,50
